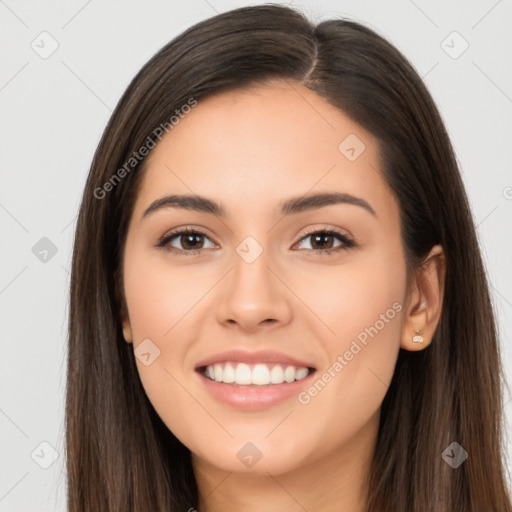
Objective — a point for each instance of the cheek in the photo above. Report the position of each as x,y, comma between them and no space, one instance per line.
358,312
159,295
162,301
342,301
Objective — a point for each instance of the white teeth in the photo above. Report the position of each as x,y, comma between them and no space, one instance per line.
228,375
217,371
289,374
277,375
301,373
259,374
243,374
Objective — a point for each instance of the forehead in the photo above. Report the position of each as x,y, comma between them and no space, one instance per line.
254,147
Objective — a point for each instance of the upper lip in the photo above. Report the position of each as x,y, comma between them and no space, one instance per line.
259,356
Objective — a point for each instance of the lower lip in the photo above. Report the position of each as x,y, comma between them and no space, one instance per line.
254,397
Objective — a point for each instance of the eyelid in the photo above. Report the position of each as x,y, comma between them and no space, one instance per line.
332,230
188,228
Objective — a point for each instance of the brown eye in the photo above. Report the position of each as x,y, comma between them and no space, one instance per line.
324,241
191,240
185,241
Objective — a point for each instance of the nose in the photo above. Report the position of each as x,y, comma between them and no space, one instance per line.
254,295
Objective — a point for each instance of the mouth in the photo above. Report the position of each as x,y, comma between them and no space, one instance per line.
253,381
254,375
254,387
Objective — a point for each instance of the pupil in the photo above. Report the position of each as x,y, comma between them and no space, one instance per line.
188,238
322,245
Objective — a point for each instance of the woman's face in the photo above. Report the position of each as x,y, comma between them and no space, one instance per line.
255,281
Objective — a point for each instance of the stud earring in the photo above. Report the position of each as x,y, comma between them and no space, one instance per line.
419,337
421,306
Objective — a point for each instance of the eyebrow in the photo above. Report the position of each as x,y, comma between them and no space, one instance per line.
293,205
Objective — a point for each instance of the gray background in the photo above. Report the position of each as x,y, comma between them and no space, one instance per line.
56,106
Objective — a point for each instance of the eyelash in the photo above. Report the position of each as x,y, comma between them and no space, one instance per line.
347,243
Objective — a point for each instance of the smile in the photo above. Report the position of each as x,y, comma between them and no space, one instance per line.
260,374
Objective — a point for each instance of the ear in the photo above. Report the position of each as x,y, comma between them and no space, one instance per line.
127,328
424,307
123,313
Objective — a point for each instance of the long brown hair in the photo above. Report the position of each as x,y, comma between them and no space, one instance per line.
120,455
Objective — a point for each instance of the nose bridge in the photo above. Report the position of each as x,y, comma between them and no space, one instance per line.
251,264
254,294
252,281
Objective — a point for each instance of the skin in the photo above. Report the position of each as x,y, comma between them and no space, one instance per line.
249,150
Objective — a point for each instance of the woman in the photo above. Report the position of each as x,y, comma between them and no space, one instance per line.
277,296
